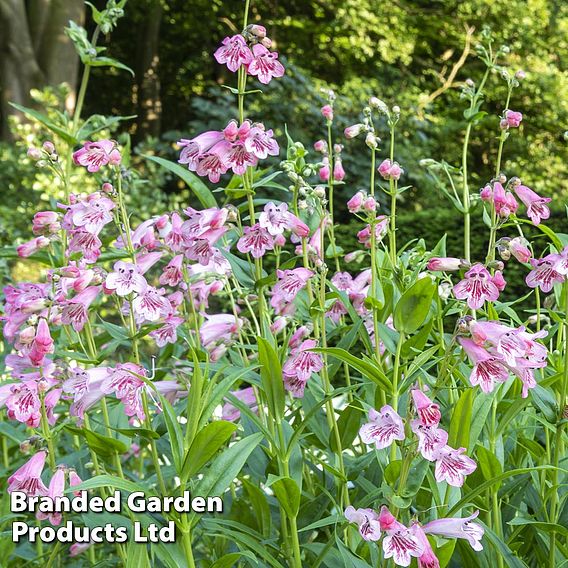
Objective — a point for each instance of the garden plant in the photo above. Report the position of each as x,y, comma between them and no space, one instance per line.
381,406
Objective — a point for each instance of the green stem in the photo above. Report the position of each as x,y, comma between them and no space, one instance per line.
393,193
395,373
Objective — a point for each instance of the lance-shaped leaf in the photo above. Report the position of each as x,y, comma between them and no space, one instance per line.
413,306
271,378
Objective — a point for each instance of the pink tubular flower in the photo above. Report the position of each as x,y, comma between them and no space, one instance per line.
299,367
167,333
261,142
42,343
356,202
512,119
354,130
46,222
545,272
535,204
445,264
320,146
23,403
428,411
477,287
276,218
151,304
324,171
427,559
218,327
458,528
126,279
401,544
93,213
383,429
75,311
265,64
172,274
256,240
327,112
56,487
247,396
28,477
519,249
390,170
338,171
487,368
381,228
368,521
290,282
431,439
27,249
193,149
95,155
233,52
452,466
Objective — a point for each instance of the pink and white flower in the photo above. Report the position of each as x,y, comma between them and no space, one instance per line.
428,412
264,64
95,155
299,366
535,204
458,528
256,240
56,487
367,520
477,287
452,466
233,52
384,428
28,477
488,368
545,273
126,279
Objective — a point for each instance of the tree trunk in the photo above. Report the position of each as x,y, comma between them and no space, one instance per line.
34,51
149,103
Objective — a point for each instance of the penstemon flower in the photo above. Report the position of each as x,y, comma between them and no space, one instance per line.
478,286
28,477
95,155
537,210
384,428
458,528
452,466
299,366
367,520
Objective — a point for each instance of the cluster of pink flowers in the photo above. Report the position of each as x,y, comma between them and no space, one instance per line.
27,479
511,119
95,155
251,51
403,543
505,203
548,271
235,148
321,146
386,426
496,350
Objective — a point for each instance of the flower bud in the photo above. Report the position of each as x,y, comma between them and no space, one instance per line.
356,202
34,153
520,75
439,264
486,193
320,146
375,102
372,141
319,191
353,130
370,204
279,324
48,147
327,112
107,187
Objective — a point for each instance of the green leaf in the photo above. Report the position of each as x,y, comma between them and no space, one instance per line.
201,191
487,484
224,469
174,432
228,561
137,556
103,446
366,367
259,503
490,466
413,306
205,446
110,481
109,62
348,425
271,378
287,492
61,132
461,419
